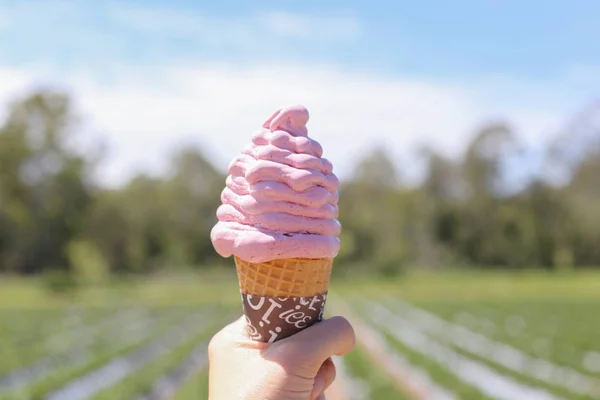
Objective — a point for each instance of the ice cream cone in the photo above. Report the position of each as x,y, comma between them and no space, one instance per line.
292,277
278,218
282,297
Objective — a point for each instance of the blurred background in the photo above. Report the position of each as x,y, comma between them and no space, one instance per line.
466,135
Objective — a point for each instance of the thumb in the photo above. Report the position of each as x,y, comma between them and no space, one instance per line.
309,348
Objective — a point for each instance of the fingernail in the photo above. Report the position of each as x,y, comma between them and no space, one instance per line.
318,388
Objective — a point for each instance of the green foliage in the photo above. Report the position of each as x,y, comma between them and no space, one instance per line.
462,213
44,186
59,282
540,314
371,382
87,262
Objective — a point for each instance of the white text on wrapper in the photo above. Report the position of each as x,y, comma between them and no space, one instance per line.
269,319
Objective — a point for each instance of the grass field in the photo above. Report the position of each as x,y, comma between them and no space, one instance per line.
452,335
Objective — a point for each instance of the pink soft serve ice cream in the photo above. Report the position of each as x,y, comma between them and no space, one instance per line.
281,196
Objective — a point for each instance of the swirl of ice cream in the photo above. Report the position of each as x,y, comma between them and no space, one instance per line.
281,196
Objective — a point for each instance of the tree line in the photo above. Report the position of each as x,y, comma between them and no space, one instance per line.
466,212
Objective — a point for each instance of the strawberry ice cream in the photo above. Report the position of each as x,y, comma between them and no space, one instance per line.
281,196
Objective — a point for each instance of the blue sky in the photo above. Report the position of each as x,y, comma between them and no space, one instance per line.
535,39
154,74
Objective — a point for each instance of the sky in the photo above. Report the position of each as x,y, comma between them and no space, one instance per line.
151,76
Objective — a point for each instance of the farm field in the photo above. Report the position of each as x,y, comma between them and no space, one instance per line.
425,336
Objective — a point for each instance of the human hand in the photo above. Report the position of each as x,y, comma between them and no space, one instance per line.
295,368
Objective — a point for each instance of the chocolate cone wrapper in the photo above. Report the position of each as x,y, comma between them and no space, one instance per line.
269,319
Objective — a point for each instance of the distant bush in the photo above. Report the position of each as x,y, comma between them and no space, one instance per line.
59,281
87,263
390,266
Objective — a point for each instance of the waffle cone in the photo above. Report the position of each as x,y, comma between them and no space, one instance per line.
283,297
291,277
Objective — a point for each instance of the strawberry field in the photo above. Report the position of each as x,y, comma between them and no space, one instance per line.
428,336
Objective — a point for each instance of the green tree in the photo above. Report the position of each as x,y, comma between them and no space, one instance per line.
44,187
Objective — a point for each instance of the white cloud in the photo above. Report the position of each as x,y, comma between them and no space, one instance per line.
44,12
242,31
191,26
94,33
145,113
304,26
12,82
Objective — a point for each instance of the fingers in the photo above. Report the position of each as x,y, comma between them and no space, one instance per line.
328,372
324,379
312,346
